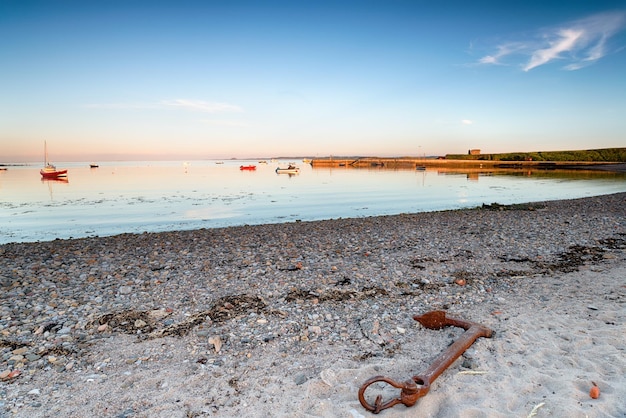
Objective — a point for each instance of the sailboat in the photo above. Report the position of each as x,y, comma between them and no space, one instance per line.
50,171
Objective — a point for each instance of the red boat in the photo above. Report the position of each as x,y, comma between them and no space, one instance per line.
50,171
247,167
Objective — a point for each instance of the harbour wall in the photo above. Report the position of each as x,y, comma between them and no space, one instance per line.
418,163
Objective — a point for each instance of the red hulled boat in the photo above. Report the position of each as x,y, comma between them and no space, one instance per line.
50,171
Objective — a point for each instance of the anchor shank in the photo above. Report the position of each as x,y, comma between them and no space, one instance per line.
454,351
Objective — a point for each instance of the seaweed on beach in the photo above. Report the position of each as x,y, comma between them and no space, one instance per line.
517,206
147,323
57,351
571,260
334,295
223,309
128,321
424,287
613,243
13,345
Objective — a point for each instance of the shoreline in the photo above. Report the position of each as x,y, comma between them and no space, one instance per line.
290,319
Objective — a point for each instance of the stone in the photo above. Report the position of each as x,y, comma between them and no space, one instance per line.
329,377
300,379
216,341
139,323
125,290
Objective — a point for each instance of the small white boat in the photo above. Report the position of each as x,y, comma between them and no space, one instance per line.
291,169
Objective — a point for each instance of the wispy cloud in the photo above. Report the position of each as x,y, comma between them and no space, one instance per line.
566,40
579,43
467,122
223,122
501,52
122,106
201,106
184,104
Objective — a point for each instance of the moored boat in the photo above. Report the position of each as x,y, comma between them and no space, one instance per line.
247,167
50,171
291,169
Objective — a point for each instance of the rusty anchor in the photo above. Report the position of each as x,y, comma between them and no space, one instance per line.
419,385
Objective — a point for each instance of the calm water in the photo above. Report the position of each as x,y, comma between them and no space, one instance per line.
121,197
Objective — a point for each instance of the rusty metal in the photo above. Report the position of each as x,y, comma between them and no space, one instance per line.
419,385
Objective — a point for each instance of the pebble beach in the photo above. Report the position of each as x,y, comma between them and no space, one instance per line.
290,319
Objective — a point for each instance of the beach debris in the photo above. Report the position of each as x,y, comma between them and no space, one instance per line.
594,393
473,372
216,341
419,385
294,267
535,409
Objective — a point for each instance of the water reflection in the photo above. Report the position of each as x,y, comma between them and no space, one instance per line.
55,180
475,174
52,182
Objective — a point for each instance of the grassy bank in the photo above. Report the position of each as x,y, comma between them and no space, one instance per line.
594,155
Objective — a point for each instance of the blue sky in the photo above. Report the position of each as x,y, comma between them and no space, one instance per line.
183,79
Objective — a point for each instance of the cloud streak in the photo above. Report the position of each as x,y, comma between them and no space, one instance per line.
579,44
183,104
122,106
201,106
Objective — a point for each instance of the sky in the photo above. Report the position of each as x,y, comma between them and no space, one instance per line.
177,80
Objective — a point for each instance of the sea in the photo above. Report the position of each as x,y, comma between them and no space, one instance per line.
153,196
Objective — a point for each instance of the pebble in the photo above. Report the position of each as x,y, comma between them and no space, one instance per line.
300,379
216,341
329,377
